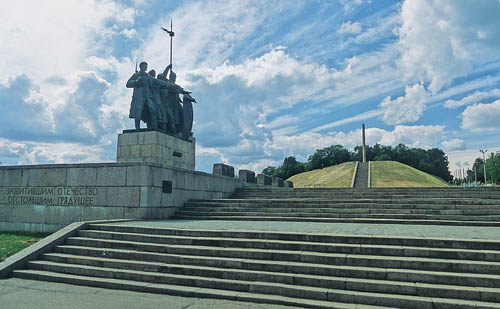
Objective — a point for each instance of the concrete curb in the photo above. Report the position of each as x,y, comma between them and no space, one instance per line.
354,174
45,245
369,173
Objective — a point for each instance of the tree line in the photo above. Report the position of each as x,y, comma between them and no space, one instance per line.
432,161
492,169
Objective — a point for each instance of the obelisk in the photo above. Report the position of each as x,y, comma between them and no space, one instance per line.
364,143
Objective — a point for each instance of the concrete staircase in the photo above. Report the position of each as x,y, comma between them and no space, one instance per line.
296,269
440,206
361,178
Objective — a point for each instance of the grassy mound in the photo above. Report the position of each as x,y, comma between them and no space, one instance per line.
338,176
385,174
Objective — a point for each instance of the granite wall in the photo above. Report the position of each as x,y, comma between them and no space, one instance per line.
45,198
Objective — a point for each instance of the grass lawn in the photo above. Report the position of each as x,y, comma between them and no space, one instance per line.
338,176
11,243
394,174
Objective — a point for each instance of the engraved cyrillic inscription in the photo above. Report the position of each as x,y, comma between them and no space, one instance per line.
60,196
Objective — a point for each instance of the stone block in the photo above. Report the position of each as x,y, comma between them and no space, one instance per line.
139,175
157,213
246,176
14,227
101,198
189,180
156,151
6,212
81,176
161,174
146,151
277,182
16,177
123,196
28,213
2,174
178,180
263,180
134,213
154,197
140,137
122,140
47,177
151,138
102,213
62,214
180,197
157,147
168,199
111,176
221,169
134,151
123,151
288,184
143,198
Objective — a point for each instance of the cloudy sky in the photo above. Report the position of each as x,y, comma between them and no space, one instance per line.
272,78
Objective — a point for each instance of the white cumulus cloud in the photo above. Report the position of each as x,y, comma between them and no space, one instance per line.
453,144
482,117
405,109
441,40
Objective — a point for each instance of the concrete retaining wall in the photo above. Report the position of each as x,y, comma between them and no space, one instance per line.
45,198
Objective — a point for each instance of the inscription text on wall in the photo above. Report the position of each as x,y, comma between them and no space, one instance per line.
60,196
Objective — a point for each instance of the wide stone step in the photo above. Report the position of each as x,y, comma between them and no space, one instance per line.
323,215
432,264
176,290
343,220
356,201
258,287
305,256
347,210
364,285
360,272
365,192
314,244
321,238
339,206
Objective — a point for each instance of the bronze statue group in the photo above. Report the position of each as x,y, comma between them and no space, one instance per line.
156,102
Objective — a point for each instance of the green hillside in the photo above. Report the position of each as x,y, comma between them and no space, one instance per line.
394,174
383,174
338,176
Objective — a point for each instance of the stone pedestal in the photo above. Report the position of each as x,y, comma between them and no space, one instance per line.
263,180
149,146
277,182
221,169
247,176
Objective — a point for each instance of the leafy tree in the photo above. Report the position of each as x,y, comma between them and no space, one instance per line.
270,170
329,156
291,167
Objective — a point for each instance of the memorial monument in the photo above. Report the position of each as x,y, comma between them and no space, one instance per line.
153,176
169,120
